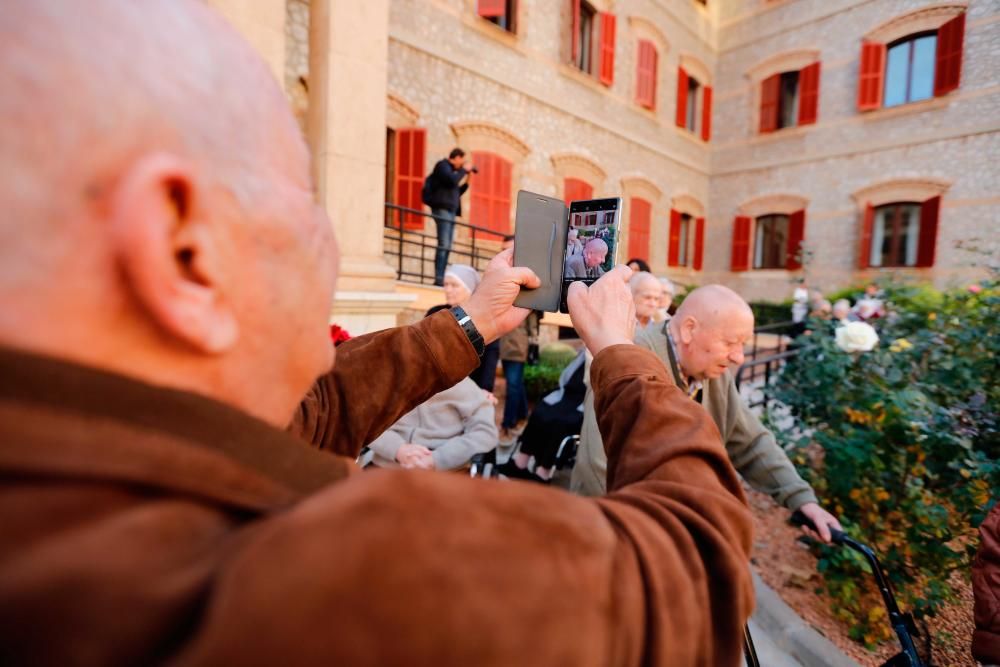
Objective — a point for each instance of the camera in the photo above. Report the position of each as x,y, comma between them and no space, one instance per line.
474,170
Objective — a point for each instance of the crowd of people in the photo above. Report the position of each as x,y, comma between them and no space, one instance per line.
178,459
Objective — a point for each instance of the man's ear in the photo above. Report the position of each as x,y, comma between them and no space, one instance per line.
687,329
167,250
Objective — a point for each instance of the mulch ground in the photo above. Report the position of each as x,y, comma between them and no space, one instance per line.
787,566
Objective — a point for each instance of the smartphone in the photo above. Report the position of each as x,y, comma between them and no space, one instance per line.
539,233
592,240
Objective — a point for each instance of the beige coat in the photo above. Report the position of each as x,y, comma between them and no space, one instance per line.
750,446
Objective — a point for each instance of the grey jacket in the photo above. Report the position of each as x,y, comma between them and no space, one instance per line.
751,447
455,425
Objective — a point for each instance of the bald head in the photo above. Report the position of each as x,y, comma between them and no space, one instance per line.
710,328
156,200
595,252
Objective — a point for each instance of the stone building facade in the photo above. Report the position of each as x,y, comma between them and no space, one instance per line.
731,128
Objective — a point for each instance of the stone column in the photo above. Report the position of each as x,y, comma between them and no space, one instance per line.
346,121
262,23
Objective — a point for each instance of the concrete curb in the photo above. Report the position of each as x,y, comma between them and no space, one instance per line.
790,633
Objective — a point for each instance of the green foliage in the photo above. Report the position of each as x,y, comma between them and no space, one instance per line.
902,442
765,312
543,377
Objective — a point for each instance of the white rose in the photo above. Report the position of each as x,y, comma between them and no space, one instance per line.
856,337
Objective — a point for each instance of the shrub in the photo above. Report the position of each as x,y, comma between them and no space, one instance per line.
902,443
543,377
556,355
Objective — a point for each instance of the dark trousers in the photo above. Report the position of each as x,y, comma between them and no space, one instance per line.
486,375
515,406
445,221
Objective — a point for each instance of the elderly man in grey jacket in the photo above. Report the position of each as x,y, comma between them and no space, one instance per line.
699,345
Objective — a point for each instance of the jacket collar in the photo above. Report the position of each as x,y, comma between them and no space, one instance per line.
151,434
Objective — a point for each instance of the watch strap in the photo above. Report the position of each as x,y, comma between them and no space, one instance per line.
471,332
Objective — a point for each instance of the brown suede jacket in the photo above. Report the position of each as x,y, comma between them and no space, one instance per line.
143,525
986,589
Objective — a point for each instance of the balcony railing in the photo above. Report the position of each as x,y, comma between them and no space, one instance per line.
411,251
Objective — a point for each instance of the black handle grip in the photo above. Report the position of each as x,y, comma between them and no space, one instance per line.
800,519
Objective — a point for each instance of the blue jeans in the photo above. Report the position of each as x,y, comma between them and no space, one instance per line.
515,406
445,221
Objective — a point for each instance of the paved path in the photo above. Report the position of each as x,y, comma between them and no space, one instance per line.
768,652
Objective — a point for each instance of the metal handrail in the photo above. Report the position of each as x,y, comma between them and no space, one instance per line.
420,246
772,361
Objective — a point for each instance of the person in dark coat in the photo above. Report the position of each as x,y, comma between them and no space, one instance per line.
449,181
986,591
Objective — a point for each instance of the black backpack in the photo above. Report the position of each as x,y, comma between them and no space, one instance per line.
428,190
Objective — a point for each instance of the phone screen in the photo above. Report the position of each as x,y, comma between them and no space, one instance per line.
592,239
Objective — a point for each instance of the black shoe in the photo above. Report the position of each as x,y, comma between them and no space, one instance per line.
439,282
512,471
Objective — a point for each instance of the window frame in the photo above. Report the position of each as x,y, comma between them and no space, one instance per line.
585,45
898,254
509,16
692,101
760,237
910,42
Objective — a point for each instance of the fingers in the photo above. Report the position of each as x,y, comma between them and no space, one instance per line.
524,276
574,294
824,530
505,258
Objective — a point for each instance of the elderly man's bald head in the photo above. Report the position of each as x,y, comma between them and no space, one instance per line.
709,329
158,217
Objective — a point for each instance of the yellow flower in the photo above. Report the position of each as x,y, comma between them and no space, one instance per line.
901,345
932,316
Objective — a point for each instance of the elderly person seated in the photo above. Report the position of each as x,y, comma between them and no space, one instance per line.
588,264
842,311
666,300
442,433
699,345
647,292
460,281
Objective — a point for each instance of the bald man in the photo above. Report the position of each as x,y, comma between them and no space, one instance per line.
588,264
166,278
700,345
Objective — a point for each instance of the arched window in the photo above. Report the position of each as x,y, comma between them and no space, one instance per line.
770,242
909,69
895,235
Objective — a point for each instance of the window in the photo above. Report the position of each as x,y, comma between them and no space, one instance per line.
405,152
917,67
694,105
770,242
638,227
909,70
895,235
502,13
491,189
575,189
645,77
685,231
789,99
587,54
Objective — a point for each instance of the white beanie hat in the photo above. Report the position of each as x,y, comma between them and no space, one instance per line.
468,275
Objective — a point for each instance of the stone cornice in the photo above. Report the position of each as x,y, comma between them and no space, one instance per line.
402,111
578,165
920,20
781,203
696,68
788,61
646,29
686,203
640,186
900,190
490,136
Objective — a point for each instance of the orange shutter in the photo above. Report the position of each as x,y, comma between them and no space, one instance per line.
699,243
638,228
646,75
948,69
575,37
682,96
409,168
490,194
674,240
871,75
492,8
796,234
576,190
607,68
930,212
741,244
706,113
770,90
867,222
809,94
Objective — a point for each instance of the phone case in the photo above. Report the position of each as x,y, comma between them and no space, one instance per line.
540,228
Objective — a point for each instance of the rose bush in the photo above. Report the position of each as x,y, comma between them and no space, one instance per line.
902,442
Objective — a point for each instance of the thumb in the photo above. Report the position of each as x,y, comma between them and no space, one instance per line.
576,292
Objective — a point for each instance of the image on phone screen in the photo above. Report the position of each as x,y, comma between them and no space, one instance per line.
591,241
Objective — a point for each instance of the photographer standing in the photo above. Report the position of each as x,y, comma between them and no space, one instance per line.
446,185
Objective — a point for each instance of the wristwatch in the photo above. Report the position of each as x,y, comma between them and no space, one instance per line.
471,332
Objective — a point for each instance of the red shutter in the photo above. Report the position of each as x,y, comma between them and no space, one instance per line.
492,8
706,113
674,241
501,198
741,244
948,71
699,243
638,228
645,75
796,234
930,212
576,190
409,168
575,38
682,96
871,75
607,69
809,94
491,194
864,261
770,89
